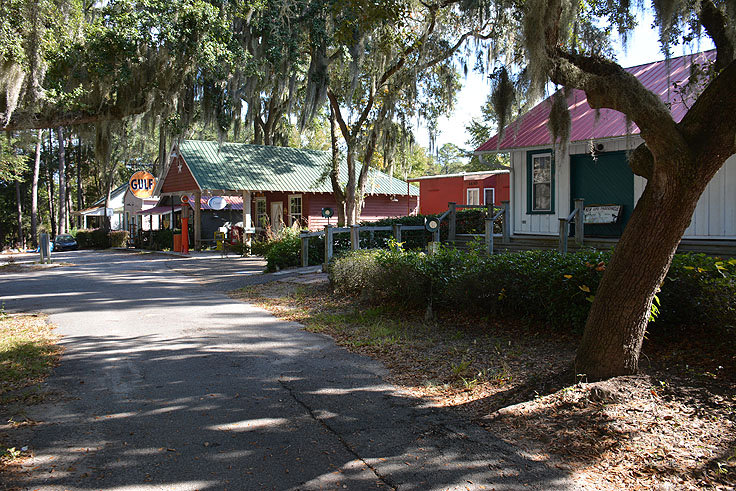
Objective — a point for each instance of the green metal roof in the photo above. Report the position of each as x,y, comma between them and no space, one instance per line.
240,166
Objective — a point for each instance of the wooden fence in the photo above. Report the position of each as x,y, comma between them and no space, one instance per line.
397,229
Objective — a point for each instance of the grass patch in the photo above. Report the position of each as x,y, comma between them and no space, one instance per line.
28,352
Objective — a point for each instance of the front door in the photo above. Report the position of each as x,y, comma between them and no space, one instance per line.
277,216
605,180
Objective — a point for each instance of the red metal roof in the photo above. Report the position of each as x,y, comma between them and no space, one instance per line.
530,130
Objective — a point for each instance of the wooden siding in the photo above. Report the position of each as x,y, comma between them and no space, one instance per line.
375,208
714,217
178,181
436,193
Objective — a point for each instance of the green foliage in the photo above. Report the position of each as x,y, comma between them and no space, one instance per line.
162,240
12,164
284,250
119,238
540,285
93,239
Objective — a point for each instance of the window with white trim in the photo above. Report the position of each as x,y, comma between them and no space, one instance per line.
261,213
489,196
295,209
541,180
473,196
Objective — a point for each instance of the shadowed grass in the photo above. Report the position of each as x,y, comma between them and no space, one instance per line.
28,352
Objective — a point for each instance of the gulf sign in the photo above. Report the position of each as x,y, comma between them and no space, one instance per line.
141,184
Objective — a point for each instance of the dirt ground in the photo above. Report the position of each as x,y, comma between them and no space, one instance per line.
671,427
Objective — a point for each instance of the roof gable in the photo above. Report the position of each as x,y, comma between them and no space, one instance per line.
530,130
116,193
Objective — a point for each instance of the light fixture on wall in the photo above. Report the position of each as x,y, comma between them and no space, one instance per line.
393,198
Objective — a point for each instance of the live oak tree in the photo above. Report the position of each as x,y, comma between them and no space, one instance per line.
380,65
565,42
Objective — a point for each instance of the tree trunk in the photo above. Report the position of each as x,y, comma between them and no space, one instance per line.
21,238
80,195
350,191
34,190
62,181
50,189
337,191
162,153
614,331
69,209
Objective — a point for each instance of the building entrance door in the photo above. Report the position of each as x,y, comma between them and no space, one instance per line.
605,180
277,216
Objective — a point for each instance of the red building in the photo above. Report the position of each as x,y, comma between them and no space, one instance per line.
466,188
277,186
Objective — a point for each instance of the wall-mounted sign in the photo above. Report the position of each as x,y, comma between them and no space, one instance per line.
185,199
142,184
217,203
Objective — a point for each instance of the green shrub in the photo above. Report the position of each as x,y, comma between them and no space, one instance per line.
93,239
119,238
284,249
260,247
542,285
162,239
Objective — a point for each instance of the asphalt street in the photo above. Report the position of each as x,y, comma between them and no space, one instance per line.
167,383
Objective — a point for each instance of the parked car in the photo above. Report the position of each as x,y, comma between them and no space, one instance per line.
65,242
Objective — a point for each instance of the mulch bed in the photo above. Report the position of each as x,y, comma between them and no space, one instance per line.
672,427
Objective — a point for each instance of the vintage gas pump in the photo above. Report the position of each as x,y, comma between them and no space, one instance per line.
185,225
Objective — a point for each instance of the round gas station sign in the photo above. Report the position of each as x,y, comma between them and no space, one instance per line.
142,184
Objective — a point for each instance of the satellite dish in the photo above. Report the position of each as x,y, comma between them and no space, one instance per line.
327,212
431,224
217,203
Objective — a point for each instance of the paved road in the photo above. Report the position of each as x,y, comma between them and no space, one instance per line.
168,384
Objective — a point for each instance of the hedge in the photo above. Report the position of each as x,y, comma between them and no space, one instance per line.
541,285
93,239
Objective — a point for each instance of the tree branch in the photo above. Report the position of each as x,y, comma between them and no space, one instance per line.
716,25
335,104
607,85
709,126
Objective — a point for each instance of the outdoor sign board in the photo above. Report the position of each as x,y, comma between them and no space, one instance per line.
142,184
601,214
217,203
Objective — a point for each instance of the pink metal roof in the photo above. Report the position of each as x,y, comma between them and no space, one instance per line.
530,130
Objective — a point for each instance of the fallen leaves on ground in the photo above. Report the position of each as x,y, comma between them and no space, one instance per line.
28,352
673,427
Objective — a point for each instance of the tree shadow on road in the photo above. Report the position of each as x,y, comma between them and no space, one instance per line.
274,408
